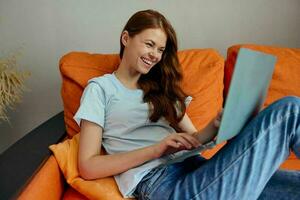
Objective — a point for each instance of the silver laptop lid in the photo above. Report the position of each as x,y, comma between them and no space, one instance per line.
249,84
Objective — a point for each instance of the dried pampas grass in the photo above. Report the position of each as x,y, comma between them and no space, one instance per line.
11,85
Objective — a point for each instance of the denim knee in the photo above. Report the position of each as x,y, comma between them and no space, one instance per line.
289,101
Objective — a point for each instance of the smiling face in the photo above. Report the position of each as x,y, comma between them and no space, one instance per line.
143,50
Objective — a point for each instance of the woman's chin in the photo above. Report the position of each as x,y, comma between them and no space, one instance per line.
145,70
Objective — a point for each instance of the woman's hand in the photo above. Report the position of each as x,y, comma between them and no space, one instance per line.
176,142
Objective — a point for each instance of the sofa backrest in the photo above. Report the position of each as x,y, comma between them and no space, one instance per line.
203,72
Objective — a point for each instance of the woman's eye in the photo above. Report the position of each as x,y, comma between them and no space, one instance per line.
149,45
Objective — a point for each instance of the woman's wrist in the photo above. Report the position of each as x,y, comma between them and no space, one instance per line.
196,134
155,151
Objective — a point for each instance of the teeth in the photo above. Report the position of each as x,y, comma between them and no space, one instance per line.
148,62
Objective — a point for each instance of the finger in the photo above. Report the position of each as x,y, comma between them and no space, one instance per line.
191,139
183,141
181,146
174,144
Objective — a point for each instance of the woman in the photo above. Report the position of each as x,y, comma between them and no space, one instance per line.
138,115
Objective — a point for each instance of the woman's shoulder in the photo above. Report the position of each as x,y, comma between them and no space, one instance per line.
103,81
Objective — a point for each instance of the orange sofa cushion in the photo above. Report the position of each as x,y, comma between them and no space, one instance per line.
203,71
66,156
285,80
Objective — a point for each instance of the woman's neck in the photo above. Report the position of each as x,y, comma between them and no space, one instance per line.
128,78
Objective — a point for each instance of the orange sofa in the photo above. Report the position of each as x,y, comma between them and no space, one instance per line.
55,176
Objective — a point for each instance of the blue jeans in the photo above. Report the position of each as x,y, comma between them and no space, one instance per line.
245,168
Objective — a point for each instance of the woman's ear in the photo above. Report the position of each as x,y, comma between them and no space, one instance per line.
125,38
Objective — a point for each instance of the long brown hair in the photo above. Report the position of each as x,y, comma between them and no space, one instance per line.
161,85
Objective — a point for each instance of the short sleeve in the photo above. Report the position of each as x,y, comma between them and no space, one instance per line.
92,105
188,100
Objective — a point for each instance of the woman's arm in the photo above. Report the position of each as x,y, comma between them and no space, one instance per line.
187,125
208,133
92,165
204,135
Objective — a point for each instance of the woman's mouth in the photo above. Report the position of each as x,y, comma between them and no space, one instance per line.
147,61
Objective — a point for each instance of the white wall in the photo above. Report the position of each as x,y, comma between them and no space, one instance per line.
48,29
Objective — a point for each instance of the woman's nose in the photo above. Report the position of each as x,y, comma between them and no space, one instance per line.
152,54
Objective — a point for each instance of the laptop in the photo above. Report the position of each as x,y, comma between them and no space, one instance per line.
248,88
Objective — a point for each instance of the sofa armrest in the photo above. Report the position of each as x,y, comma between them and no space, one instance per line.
48,183
20,162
